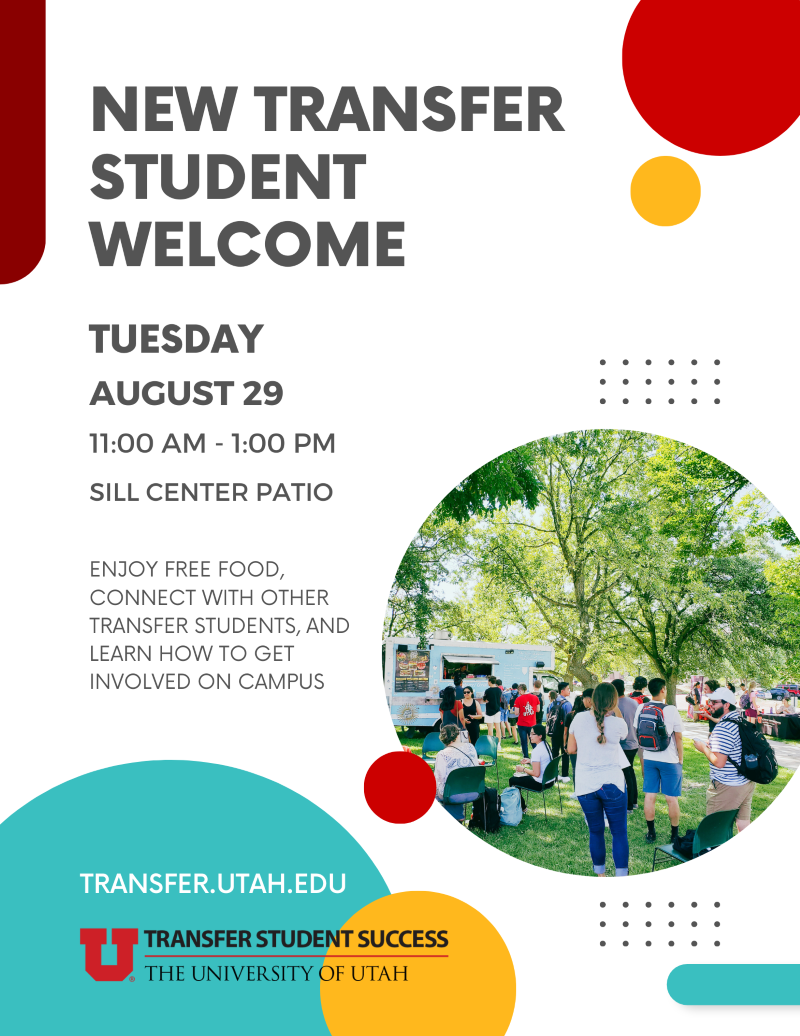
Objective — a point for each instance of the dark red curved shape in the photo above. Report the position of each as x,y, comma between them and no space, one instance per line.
22,129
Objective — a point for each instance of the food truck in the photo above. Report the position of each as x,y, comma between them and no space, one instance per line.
414,676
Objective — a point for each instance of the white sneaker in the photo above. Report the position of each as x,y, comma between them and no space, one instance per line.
564,780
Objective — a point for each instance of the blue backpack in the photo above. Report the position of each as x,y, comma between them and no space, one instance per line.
510,807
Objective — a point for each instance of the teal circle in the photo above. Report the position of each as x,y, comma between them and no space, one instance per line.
158,818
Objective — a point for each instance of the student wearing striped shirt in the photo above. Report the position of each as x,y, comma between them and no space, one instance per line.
728,788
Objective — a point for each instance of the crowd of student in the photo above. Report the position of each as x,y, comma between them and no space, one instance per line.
601,733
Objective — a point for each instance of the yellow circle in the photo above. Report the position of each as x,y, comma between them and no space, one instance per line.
665,191
364,989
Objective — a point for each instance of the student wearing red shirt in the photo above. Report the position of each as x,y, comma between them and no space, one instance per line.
527,706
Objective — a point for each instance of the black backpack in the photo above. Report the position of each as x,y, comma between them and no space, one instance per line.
684,844
555,719
758,758
651,728
492,813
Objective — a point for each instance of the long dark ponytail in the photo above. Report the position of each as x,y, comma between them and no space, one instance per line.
604,698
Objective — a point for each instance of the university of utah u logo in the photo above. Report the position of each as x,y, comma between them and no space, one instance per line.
123,938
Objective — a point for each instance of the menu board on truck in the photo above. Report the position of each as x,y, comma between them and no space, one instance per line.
412,672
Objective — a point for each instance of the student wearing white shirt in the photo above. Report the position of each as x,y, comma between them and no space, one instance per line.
531,772
599,784
663,771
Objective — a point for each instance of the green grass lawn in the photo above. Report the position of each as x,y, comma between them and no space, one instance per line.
561,842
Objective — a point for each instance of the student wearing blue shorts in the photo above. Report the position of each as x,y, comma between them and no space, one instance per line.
663,771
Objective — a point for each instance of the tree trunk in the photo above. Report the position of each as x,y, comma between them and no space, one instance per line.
580,672
576,668
672,683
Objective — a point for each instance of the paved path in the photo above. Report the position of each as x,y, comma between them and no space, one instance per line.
786,752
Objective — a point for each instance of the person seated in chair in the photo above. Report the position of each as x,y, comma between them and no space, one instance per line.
530,773
456,753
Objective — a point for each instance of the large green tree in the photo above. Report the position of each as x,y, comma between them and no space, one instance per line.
413,604
783,576
710,613
554,560
622,549
692,592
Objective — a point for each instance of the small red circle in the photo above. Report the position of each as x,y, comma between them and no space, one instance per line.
399,787
716,77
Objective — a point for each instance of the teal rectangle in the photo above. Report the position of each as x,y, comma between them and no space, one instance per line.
740,985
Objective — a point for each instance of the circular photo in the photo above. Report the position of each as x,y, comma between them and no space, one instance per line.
594,642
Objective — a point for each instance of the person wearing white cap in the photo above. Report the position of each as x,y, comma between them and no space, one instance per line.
728,789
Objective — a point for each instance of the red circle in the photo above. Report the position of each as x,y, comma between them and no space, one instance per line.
399,787
716,77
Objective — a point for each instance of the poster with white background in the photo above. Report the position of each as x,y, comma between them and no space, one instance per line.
309,269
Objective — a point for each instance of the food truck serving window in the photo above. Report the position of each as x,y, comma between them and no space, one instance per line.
470,667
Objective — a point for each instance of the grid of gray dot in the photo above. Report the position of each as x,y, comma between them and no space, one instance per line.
670,925
692,382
